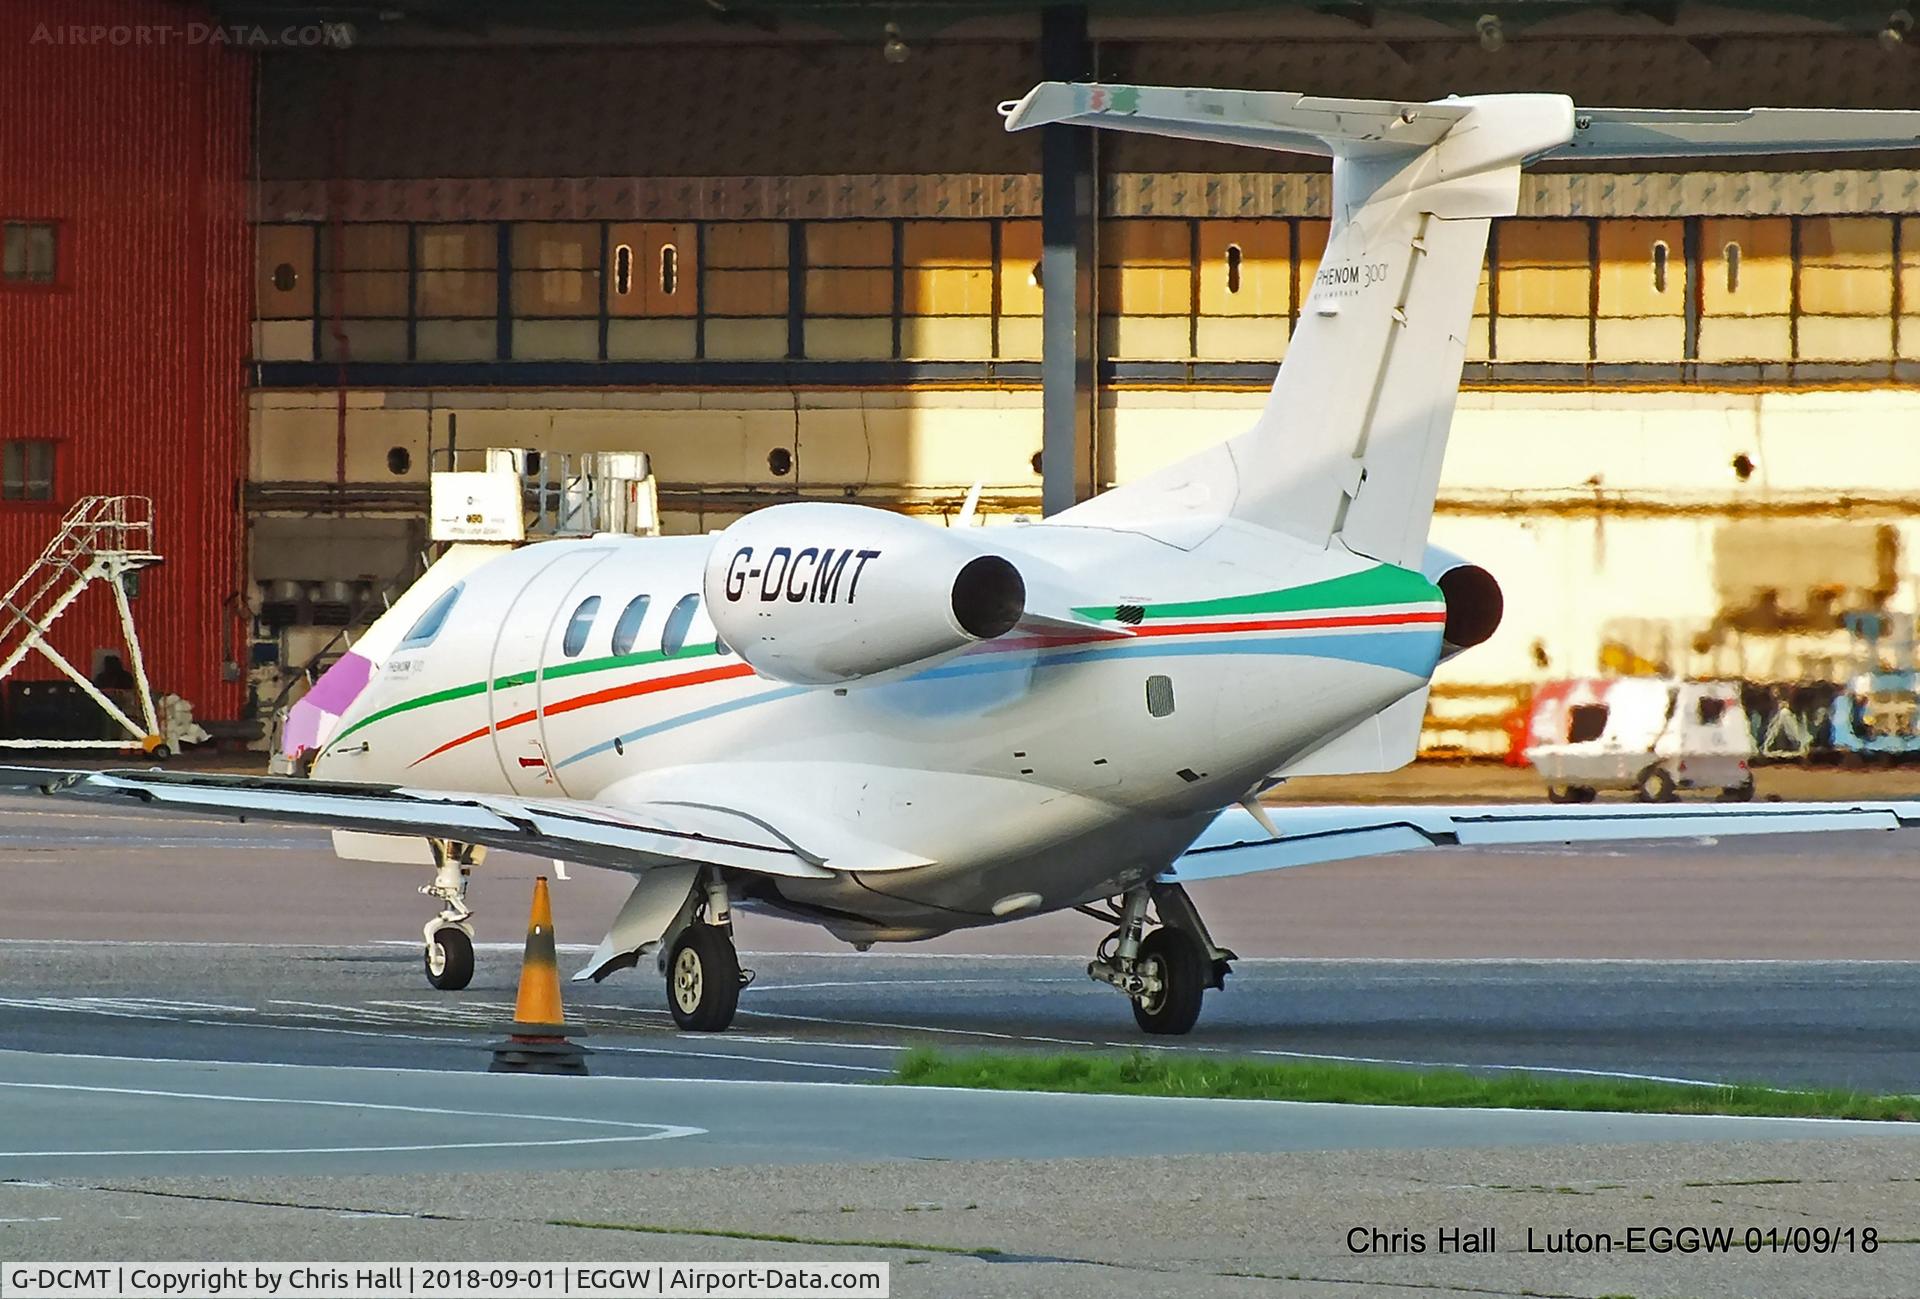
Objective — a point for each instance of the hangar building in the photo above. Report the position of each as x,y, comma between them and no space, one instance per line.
271,262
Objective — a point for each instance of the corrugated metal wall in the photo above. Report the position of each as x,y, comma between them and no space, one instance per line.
135,137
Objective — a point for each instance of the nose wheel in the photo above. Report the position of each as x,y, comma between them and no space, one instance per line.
449,935
449,959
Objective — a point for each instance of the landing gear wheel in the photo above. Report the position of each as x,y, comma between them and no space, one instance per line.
1656,786
1177,971
449,959
1559,793
1580,793
703,979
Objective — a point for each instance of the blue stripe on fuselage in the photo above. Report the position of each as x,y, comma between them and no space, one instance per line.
1412,652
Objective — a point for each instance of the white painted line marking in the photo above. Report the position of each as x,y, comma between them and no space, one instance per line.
642,1131
342,1150
1074,958
897,983
748,1059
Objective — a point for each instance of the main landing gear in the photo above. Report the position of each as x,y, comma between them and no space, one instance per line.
449,935
1166,972
703,971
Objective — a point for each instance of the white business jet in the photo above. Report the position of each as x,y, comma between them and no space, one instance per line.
896,730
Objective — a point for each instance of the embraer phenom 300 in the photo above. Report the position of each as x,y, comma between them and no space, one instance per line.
896,730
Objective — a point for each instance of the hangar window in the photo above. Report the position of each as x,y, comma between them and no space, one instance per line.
29,252
26,470
627,630
433,619
623,270
579,626
1733,268
1659,266
674,635
1233,268
669,269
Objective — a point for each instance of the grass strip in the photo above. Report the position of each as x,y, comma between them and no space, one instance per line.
722,1233
1144,1073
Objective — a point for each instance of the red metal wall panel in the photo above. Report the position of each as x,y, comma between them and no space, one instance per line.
135,138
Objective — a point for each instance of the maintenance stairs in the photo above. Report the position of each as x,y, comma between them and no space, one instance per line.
102,539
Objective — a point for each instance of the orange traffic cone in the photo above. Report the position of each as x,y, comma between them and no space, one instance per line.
537,1040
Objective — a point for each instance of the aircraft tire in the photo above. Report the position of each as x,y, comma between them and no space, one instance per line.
449,959
1656,786
1184,972
703,979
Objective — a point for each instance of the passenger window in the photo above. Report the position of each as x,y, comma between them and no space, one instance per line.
433,619
627,630
582,623
675,633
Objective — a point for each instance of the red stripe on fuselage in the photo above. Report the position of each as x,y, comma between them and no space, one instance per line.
635,689
630,690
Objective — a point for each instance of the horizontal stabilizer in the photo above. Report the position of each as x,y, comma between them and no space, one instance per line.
1261,119
1686,133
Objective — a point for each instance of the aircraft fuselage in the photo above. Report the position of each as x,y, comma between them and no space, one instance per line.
1064,767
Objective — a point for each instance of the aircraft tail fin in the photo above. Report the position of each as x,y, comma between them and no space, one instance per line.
1350,442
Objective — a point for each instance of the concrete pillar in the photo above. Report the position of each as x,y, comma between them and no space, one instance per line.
1069,327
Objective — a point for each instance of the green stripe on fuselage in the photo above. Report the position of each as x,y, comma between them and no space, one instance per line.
512,679
1381,585
1384,584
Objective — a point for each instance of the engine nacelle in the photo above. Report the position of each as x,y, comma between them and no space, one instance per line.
1474,601
819,593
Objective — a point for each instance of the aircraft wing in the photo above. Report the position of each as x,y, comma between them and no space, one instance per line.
1237,844
630,839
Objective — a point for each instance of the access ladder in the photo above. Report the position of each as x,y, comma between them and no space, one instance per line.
102,539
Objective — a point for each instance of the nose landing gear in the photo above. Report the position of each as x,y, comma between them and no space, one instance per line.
449,935
1165,973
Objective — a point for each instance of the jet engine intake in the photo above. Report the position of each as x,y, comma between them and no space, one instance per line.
817,593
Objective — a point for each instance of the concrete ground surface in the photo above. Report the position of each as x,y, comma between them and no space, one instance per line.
1267,1224
127,942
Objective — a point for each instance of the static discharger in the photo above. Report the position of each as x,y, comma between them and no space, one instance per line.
537,1038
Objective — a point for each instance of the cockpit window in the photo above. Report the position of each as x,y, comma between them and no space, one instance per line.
581,624
674,635
433,619
627,630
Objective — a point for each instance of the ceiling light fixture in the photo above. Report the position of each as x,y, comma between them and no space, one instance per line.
1492,34
1899,26
895,50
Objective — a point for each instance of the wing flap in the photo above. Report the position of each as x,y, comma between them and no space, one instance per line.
1236,844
